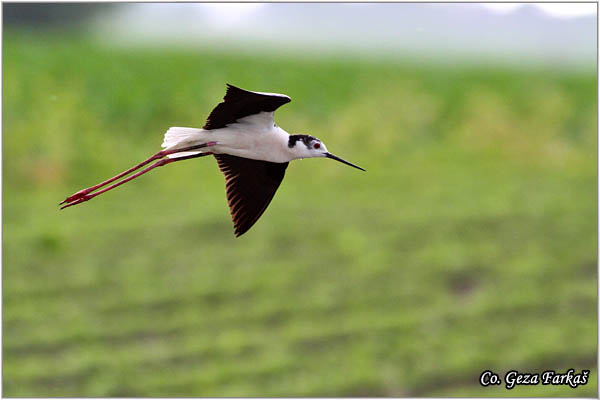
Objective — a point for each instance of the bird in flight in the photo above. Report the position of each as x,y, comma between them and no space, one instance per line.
251,151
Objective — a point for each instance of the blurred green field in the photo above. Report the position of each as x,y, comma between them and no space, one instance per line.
469,244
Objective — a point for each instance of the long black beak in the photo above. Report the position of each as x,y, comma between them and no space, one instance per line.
329,155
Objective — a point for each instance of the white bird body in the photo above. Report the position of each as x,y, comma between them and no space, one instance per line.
251,151
256,137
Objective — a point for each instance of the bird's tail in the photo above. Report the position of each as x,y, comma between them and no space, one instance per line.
177,137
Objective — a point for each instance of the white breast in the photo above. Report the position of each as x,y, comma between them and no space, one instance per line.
256,137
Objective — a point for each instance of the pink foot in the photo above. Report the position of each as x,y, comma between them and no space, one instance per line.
75,196
81,197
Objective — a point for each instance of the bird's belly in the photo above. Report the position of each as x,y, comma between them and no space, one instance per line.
250,144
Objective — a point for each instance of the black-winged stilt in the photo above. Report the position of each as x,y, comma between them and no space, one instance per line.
251,150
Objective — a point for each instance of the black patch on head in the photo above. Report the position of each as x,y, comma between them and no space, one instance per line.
306,139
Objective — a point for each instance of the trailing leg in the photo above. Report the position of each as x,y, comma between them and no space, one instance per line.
85,194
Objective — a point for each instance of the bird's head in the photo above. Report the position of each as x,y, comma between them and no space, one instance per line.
306,146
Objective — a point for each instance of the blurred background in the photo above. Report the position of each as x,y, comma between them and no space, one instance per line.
470,243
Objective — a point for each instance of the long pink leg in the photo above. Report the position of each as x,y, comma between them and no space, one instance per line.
160,163
157,156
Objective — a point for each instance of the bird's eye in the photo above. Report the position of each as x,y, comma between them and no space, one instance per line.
316,145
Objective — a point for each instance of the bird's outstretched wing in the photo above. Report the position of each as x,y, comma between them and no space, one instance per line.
239,103
250,185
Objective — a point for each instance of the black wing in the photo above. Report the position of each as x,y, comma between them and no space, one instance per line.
250,185
239,103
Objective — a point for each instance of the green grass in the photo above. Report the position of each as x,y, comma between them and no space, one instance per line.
469,244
